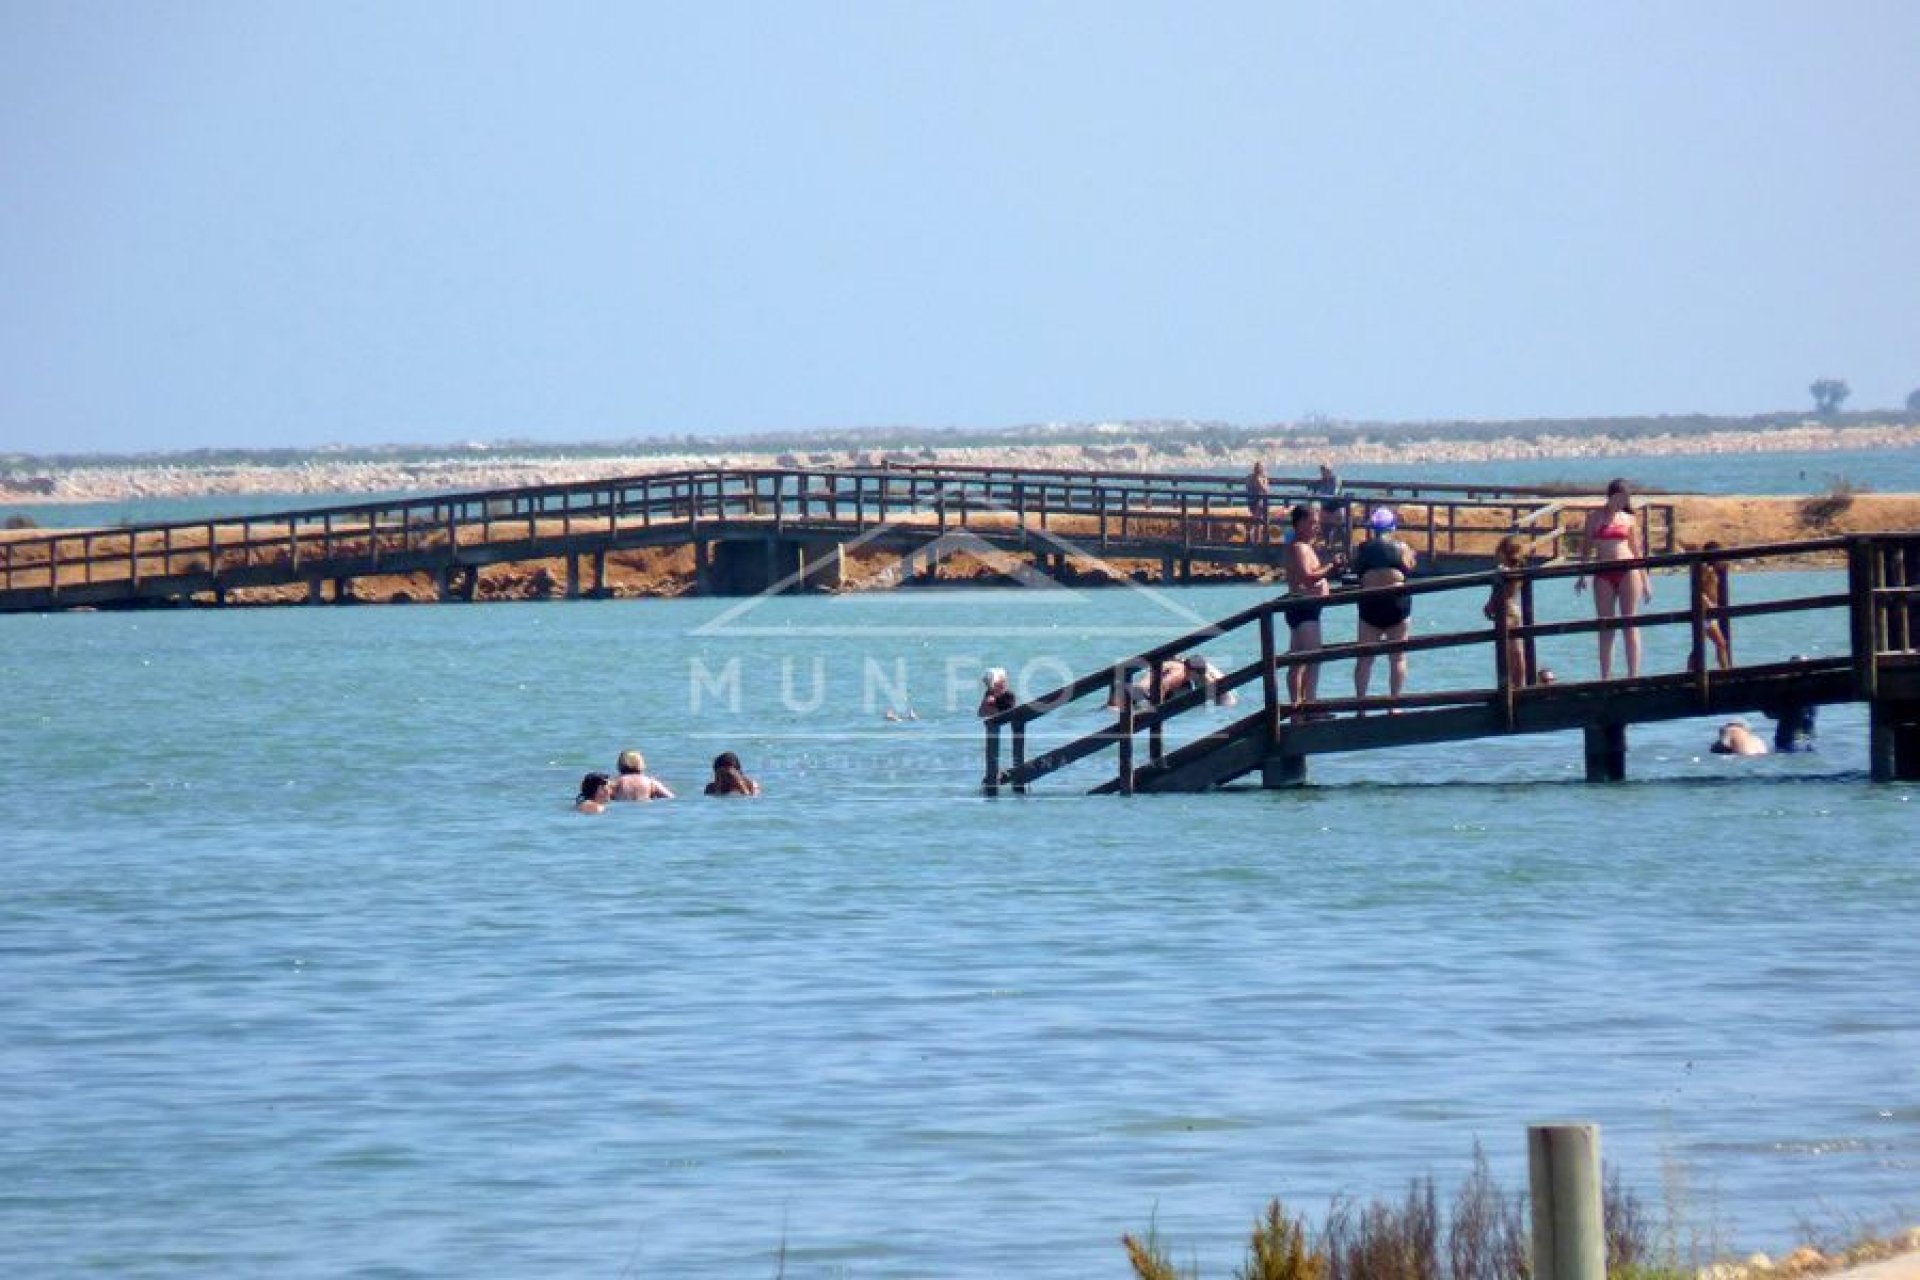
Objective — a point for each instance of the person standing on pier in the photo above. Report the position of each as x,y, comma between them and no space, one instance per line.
1306,579
1612,535
1505,602
1383,561
1259,504
1331,494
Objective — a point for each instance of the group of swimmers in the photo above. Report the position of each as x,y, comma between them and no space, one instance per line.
633,783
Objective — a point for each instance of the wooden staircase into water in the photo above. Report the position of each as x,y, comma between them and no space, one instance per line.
1875,623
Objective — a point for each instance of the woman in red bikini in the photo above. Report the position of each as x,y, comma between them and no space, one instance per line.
1613,534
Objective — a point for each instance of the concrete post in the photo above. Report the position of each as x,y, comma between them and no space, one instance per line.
1569,1230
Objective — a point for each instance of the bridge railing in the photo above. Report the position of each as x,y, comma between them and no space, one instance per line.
1883,600
1101,512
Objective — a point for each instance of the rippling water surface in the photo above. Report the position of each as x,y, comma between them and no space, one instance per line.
307,969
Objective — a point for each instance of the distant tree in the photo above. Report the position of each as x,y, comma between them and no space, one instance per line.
1913,400
1829,394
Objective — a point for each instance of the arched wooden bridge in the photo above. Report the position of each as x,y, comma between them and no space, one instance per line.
752,530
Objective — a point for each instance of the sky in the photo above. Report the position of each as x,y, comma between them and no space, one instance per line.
300,224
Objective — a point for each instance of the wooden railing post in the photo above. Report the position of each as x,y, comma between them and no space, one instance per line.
1126,739
1526,618
1697,625
1863,580
1269,678
1503,649
1157,733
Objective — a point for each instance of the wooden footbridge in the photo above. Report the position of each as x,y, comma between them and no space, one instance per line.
1879,664
751,530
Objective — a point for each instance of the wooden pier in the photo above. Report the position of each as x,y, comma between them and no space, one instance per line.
752,530
1881,667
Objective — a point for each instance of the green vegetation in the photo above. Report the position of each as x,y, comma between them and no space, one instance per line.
1829,394
1822,509
1485,1235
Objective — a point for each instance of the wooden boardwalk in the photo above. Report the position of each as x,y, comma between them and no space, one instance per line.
1881,666
752,530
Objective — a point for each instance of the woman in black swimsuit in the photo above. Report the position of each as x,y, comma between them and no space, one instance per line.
1383,561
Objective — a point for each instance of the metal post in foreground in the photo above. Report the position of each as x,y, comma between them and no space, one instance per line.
1563,1172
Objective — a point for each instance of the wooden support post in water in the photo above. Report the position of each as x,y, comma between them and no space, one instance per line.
1278,771
1019,753
1563,1176
991,783
1893,741
1126,740
1606,752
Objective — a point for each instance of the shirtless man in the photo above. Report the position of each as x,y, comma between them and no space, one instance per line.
635,783
1306,578
1737,740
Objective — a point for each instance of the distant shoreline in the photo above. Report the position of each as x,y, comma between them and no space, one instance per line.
1144,449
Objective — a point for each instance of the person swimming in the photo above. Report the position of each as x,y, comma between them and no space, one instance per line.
635,783
596,789
729,779
1737,740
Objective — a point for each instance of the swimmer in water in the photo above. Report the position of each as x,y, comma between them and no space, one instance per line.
635,783
596,789
1737,740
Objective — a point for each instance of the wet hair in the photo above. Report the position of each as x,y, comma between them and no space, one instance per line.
728,778
632,762
591,784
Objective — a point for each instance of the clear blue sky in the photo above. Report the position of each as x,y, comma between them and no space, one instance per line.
307,223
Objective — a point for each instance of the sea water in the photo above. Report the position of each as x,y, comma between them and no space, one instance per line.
308,968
